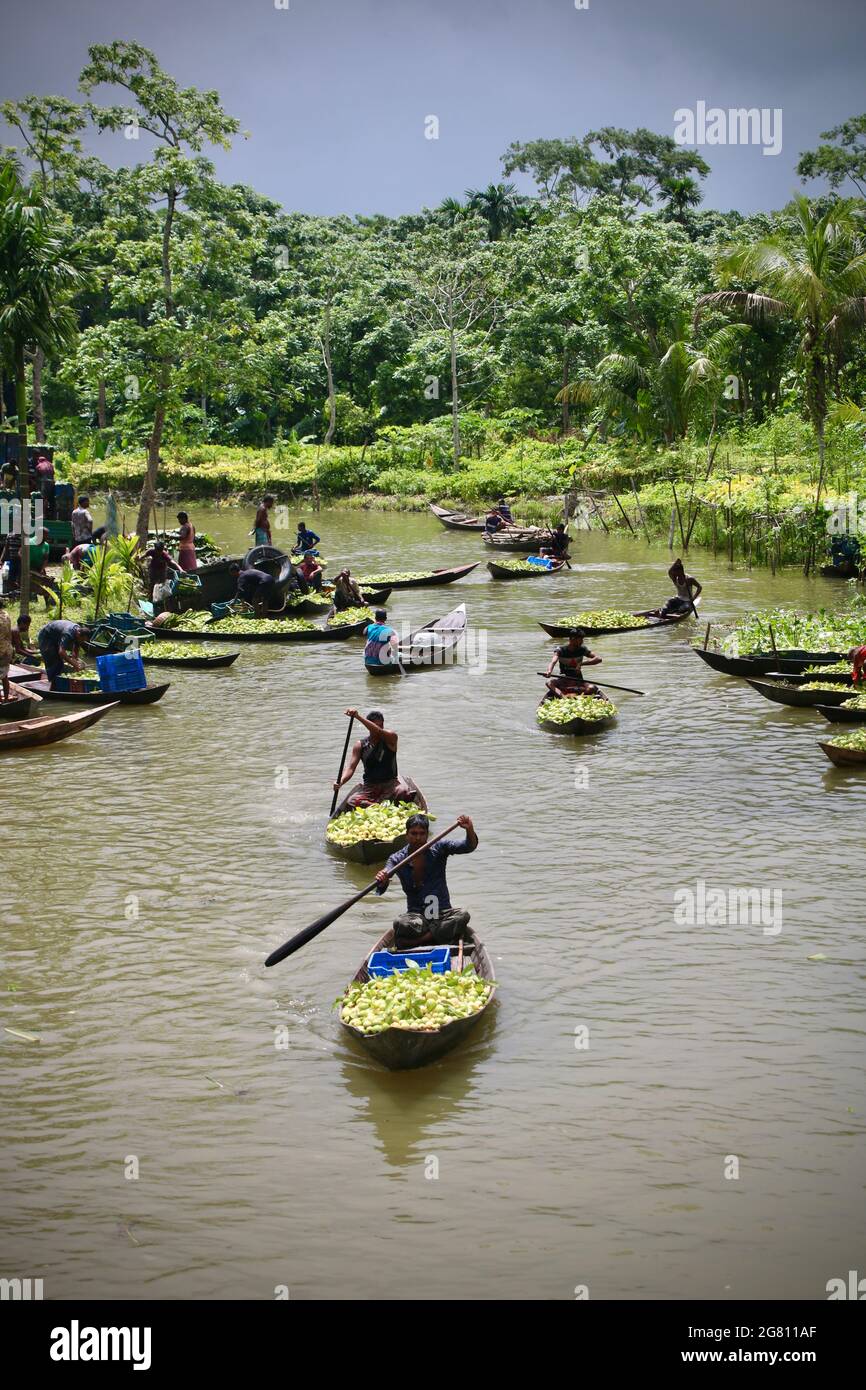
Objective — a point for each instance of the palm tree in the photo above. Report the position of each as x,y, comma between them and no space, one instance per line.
812,273
497,204
679,194
450,211
36,284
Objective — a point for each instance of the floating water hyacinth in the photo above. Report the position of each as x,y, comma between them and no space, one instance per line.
856,702
350,615
568,707
242,626
856,739
602,617
395,577
179,650
417,1000
384,821
836,668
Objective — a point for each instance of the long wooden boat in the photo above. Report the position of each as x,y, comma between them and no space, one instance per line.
573,726
372,851
400,1049
94,695
26,673
430,646
211,633
21,704
832,678
530,572
456,521
794,694
433,577
844,757
34,733
792,661
527,540
555,630
838,714
188,663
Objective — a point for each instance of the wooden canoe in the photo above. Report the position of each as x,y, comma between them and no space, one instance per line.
372,851
94,695
838,714
844,757
782,694
34,733
21,704
430,646
399,1049
211,633
526,540
456,521
555,630
427,580
188,663
762,663
27,673
530,572
573,726
832,678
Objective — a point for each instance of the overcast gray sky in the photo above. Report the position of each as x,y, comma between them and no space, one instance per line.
334,93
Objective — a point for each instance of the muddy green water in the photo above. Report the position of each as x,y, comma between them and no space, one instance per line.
559,1164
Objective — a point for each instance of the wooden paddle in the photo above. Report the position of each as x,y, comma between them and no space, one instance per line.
342,762
321,923
605,685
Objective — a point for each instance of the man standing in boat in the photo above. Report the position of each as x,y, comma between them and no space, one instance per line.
429,919
571,658
378,753
262,523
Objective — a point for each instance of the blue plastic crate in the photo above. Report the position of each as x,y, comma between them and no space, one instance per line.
540,561
121,671
383,963
125,622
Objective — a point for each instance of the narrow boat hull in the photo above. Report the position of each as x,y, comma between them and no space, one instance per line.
373,851
37,733
435,577
403,1049
531,571
763,663
146,695
193,663
419,653
845,757
798,698
211,633
652,625
838,714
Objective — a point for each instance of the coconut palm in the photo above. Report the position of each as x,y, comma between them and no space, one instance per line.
678,194
37,281
497,204
813,273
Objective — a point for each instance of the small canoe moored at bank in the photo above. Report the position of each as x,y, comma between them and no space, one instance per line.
797,695
36,733
430,646
649,624
88,692
843,714
583,718
400,1049
848,750
374,851
763,663
521,569
456,521
264,630
421,580
210,661
529,540
21,704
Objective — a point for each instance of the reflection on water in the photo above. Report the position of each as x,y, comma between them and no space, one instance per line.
149,866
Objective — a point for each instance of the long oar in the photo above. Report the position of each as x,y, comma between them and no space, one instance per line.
342,762
322,922
605,685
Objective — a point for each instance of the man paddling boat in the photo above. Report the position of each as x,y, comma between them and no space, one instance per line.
347,592
687,587
378,754
429,918
557,543
571,658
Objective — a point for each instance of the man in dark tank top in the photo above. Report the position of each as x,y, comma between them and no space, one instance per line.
378,755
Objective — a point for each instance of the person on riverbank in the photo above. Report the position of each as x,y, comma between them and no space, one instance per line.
262,523
687,587
59,644
305,539
381,641
258,589
159,564
186,543
5,650
571,658
378,754
20,633
82,522
347,592
45,474
429,919
311,571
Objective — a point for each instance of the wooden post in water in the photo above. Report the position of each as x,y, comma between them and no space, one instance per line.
671,531
640,510
707,635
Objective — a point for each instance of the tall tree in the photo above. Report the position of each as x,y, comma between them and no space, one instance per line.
845,159
37,282
812,272
497,204
181,121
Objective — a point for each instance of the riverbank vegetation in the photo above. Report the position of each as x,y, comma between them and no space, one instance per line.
672,369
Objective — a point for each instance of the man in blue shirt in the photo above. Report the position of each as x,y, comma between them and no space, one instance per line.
381,647
430,919
306,539
59,642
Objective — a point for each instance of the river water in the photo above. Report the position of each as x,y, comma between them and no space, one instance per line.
159,1141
